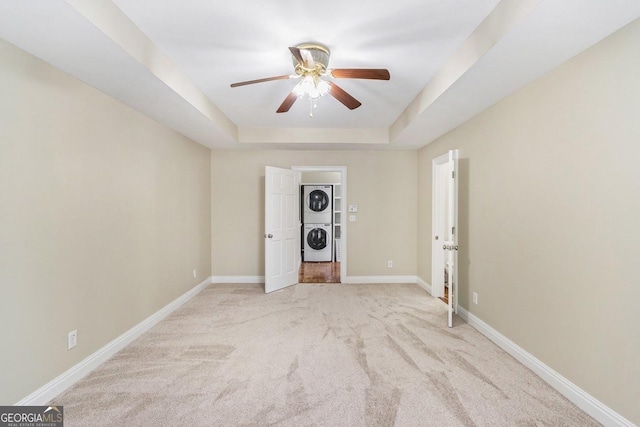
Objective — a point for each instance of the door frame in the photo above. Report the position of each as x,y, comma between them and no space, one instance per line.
343,224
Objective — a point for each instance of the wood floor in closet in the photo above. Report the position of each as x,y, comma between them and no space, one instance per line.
319,272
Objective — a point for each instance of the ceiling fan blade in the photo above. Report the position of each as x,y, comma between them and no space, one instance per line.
296,54
287,103
361,73
338,93
266,79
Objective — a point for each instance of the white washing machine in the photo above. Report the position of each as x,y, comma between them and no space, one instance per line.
317,242
318,204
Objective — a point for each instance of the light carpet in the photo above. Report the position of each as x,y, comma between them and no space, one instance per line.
322,355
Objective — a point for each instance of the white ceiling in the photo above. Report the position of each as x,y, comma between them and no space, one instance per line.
174,60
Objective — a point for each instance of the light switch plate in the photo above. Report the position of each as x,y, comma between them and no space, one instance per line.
72,339
353,208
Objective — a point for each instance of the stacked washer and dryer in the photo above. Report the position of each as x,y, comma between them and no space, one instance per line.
317,218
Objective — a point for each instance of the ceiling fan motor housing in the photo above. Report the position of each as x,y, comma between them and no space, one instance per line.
320,55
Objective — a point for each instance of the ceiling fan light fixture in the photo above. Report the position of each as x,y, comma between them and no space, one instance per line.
313,88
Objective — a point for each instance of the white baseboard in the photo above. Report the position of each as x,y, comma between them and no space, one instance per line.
380,279
62,382
575,394
348,279
237,279
424,285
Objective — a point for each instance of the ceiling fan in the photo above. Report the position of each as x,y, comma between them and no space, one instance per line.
310,62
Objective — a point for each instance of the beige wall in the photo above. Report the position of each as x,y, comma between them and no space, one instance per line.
550,218
382,184
317,177
104,214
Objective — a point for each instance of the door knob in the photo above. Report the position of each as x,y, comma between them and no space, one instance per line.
268,236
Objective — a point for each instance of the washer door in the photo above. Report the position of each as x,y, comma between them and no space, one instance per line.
318,200
317,239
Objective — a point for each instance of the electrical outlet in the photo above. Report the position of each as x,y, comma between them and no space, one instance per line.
475,298
72,339
195,273
390,264
352,218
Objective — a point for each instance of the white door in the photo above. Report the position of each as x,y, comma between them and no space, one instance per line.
445,230
281,228
439,224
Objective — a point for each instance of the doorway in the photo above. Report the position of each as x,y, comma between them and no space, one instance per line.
444,234
334,268
441,171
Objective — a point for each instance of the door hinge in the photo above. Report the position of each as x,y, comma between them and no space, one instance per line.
453,174
453,230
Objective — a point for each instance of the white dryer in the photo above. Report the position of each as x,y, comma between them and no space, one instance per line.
317,242
318,204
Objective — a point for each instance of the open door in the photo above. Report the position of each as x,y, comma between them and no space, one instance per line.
445,231
451,244
281,228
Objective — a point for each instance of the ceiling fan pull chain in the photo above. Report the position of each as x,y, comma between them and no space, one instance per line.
310,107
